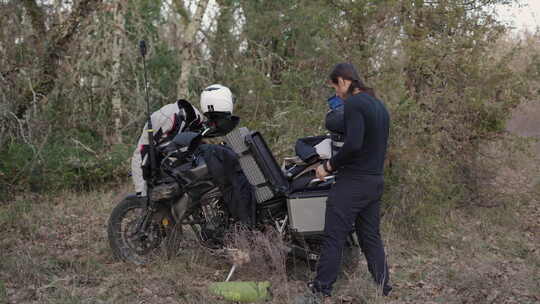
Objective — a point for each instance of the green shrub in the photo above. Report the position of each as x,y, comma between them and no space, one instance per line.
75,159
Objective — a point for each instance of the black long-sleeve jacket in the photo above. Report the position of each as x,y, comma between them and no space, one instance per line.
366,137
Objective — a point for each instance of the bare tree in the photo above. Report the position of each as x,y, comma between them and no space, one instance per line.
188,46
118,35
51,44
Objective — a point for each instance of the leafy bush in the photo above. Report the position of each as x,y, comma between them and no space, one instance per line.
77,159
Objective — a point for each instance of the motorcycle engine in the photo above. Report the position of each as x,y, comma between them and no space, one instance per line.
213,232
215,226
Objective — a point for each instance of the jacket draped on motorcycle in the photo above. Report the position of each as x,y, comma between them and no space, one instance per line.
166,122
238,194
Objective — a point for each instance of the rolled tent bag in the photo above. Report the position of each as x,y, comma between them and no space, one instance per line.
242,291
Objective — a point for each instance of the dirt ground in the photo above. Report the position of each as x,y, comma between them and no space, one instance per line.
56,251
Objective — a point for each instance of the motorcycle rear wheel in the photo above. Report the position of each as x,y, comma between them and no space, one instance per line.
139,247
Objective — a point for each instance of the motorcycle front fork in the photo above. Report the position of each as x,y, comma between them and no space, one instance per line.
145,220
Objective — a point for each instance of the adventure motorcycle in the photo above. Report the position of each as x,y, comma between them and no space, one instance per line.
182,192
182,195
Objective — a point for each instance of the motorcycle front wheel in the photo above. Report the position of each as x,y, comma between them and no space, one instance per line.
129,242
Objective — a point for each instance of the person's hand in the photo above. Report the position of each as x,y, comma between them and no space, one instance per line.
321,173
343,87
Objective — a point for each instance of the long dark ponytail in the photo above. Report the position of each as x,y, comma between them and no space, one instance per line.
348,71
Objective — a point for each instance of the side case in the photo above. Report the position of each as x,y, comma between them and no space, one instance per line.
306,211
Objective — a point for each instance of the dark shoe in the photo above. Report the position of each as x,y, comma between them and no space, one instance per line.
386,290
315,289
320,297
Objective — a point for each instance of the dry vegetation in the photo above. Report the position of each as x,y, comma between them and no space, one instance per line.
56,251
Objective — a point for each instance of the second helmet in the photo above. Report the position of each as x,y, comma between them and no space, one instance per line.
217,98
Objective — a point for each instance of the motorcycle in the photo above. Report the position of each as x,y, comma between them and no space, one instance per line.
182,196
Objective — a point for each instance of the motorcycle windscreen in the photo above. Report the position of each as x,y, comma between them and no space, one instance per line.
306,211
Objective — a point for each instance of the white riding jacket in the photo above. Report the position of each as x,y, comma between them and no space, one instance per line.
164,120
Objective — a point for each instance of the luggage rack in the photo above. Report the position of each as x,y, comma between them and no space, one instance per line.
262,170
306,208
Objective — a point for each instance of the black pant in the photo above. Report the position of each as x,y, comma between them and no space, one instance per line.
352,199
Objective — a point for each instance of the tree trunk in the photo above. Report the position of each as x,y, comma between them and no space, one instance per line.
56,40
414,23
116,52
188,47
37,19
220,46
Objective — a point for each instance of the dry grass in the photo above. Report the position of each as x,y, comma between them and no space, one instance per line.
54,250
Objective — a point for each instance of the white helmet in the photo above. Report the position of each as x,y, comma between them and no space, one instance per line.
217,98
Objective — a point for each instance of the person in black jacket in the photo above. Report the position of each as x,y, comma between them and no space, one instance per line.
355,197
